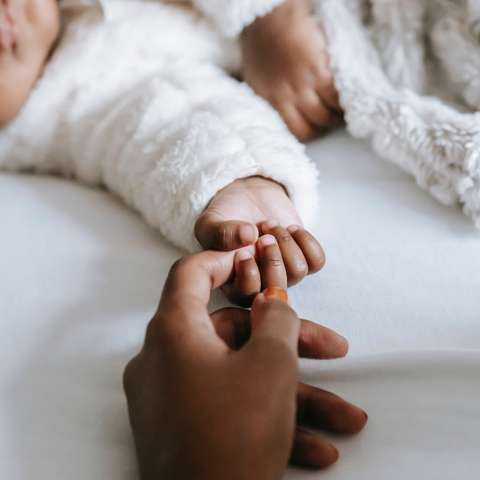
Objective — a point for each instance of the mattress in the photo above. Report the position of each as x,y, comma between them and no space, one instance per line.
81,276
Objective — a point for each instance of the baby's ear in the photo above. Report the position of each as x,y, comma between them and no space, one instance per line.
214,232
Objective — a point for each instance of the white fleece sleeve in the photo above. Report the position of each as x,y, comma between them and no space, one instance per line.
166,145
232,16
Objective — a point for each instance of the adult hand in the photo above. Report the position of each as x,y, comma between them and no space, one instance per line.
216,397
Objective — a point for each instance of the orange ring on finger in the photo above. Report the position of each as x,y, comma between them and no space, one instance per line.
278,293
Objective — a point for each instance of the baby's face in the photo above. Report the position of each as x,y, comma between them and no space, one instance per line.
28,29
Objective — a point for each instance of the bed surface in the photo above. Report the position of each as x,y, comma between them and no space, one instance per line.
81,275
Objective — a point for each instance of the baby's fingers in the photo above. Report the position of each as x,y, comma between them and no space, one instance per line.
317,112
296,265
296,122
246,282
272,268
312,250
301,252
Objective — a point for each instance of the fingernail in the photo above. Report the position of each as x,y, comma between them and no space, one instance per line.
248,234
271,224
243,255
267,240
293,228
275,292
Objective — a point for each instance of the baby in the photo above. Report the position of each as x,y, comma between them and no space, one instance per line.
137,96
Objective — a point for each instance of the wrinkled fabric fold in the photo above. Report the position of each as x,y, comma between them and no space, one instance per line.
408,74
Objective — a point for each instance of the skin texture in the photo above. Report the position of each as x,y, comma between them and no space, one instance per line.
285,61
242,211
216,397
28,30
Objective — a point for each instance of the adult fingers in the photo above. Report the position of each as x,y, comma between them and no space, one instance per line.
321,343
232,326
182,313
324,410
274,328
214,232
312,250
311,451
272,268
246,281
295,264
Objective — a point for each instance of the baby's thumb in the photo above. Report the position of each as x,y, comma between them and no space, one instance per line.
214,232
273,321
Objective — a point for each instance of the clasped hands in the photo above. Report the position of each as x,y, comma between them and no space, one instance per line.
216,396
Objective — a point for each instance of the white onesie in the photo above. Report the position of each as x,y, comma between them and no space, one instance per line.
138,98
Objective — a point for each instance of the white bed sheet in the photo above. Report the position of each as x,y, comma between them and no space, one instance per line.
80,276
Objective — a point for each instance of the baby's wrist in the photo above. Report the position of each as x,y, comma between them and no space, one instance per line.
259,181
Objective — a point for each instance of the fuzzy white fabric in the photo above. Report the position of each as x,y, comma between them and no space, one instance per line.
408,73
137,98
231,16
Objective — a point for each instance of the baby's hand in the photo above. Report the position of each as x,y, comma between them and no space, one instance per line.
283,258
286,62
246,209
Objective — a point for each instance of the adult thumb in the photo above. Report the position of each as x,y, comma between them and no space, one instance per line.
274,320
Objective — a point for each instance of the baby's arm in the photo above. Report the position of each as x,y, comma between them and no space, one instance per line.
168,143
287,63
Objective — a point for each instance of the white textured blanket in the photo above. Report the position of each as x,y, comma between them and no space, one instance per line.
80,276
408,72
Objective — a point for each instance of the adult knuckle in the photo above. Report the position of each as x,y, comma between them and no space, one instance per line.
179,264
153,332
279,309
130,375
209,262
183,263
